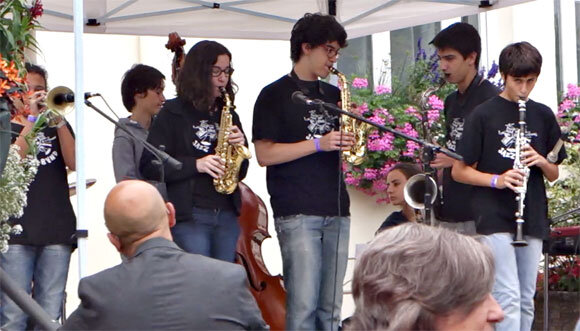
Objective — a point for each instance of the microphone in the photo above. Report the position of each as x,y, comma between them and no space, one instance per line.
298,97
62,98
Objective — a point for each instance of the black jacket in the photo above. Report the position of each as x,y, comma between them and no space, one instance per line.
173,128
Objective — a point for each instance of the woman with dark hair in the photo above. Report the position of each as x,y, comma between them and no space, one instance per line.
188,129
396,180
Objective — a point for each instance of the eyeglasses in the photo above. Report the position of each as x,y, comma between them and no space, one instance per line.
331,51
216,71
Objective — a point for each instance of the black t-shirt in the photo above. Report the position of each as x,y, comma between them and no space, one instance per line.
395,218
457,107
309,185
189,134
489,140
48,217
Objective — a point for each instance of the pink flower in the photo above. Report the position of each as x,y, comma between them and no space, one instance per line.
360,83
573,91
382,142
370,173
577,119
432,116
435,102
408,129
382,89
413,111
363,108
379,185
566,105
411,148
351,180
377,119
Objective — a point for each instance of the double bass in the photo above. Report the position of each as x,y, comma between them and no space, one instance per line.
268,290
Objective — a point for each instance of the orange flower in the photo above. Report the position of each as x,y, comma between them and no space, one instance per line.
12,73
4,86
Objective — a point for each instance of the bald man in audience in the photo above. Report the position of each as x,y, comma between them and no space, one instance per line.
160,286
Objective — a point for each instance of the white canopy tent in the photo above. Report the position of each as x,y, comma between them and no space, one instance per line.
243,19
253,19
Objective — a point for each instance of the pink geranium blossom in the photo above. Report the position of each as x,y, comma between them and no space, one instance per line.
382,89
360,83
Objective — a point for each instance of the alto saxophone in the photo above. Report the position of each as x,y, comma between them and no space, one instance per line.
356,154
232,155
521,141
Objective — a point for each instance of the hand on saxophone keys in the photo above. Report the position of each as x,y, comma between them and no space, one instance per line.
212,165
512,179
235,136
335,140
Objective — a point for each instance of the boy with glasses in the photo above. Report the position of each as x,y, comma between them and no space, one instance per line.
301,146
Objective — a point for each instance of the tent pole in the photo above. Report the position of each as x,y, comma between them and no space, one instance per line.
80,136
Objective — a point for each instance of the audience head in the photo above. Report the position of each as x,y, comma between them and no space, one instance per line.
396,180
416,277
134,212
142,82
207,67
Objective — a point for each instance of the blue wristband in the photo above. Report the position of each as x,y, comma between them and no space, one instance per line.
32,118
317,144
494,181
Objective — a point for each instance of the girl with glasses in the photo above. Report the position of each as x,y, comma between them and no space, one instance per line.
188,128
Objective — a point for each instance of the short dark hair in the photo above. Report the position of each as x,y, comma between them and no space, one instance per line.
408,169
461,37
194,80
36,69
139,79
520,59
315,29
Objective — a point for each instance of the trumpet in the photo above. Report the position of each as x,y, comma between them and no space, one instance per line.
58,103
414,193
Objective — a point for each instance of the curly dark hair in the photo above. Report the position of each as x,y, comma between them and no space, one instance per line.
194,81
315,30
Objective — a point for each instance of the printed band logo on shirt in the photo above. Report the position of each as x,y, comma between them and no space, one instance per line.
508,140
47,153
205,135
455,133
320,123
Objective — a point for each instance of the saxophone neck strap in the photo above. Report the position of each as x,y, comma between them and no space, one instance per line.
301,86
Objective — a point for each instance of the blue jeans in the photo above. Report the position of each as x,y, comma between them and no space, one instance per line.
211,232
44,266
314,257
516,270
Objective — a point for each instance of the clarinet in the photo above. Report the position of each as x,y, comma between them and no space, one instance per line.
521,140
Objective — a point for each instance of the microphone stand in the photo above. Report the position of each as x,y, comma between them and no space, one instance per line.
427,154
158,153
